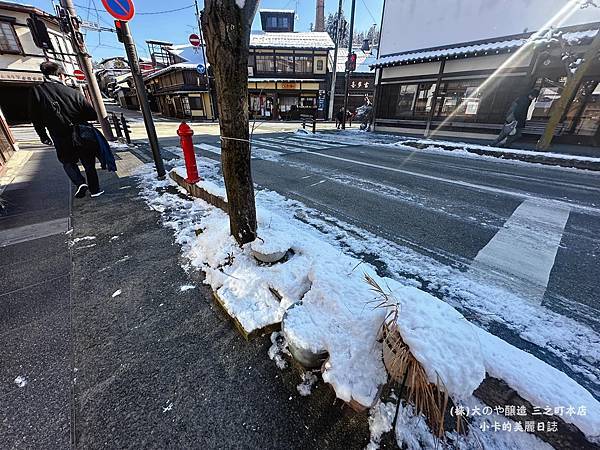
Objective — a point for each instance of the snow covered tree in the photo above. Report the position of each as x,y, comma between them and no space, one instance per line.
226,26
331,24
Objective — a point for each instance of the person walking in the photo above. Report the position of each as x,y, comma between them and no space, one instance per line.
515,119
339,118
59,109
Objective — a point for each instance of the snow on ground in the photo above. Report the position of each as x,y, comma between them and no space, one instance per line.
328,306
435,143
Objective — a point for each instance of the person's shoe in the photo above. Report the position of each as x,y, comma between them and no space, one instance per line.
97,194
81,191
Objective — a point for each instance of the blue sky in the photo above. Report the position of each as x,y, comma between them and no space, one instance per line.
176,26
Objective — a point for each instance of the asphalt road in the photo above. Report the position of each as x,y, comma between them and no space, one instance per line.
529,229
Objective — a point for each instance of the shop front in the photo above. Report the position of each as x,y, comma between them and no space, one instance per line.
284,99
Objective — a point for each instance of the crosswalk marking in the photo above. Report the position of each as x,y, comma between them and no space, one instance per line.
522,253
316,140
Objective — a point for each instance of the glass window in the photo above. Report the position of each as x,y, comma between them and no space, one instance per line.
304,64
319,65
406,99
272,22
424,99
8,38
265,63
196,103
284,63
461,98
283,22
186,106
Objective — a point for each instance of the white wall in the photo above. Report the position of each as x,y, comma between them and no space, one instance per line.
417,24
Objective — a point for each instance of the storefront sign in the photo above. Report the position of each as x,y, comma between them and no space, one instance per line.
472,107
289,85
362,84
21,76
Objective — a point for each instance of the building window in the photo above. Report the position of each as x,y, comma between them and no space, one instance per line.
461,98
424,99
284,63
265,63
406,100
9,42
185,104
319,65
196,103
304,64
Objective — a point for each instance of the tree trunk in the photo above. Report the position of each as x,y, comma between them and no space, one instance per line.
226,28
560,108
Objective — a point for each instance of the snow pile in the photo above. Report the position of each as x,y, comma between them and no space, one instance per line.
466,146
539,383
441,339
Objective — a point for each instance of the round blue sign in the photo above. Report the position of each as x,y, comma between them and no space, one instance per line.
201,69
120,9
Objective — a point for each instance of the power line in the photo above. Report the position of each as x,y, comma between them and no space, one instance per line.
369,11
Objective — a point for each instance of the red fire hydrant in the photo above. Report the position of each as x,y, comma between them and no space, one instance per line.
185,134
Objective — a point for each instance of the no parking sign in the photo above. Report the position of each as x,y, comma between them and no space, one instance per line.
120,9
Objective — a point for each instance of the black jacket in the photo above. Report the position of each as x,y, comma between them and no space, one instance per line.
74,108
519,109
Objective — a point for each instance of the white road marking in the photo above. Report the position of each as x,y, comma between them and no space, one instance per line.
479,187
521,255
270,143
318,182
319,141
17,235
210,148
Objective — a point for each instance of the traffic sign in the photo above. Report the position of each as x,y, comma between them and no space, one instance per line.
79,75
201,69
195,40
120,9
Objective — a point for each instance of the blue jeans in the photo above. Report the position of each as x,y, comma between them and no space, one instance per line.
89,164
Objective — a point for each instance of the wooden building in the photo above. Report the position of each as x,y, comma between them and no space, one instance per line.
180,91
28,37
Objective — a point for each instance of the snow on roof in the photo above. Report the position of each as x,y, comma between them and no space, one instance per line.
307,39
188,52
287,11
485,48
479,49
171,68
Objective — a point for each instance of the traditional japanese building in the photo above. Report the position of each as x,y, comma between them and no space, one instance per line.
465,88
288,71
180,91
28,37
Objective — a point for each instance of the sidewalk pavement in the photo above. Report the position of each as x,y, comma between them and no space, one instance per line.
101,348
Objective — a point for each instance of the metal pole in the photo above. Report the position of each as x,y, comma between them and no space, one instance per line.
86,66
202,41
347,68
140,88
335,55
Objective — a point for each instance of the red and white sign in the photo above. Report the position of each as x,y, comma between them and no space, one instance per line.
120,9
79,75
195,40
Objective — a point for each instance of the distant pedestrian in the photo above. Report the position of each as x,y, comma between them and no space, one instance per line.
515,119
60,109
339,118
350,116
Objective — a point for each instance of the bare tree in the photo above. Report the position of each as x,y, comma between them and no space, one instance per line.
576,67
226,26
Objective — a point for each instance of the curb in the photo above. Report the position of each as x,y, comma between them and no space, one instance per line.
532,158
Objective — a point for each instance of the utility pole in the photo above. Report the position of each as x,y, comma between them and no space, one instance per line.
140,87
202,43
347,81
86,66
338,31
